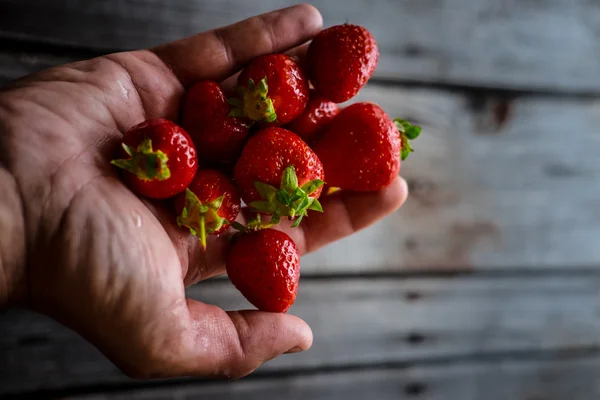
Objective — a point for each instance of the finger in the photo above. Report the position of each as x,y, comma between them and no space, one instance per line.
298,52
233,344
229,85
219,53
345,213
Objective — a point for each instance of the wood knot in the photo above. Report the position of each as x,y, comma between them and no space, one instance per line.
491,114
415,389
413,296
415,338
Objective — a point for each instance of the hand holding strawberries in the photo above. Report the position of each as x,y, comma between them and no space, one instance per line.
110,248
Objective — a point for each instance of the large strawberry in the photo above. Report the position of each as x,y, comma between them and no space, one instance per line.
219,138
159,159
318,113
264,266
209,205
362,148
272,89
340,60
279,174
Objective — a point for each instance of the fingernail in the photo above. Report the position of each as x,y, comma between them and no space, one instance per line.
296,349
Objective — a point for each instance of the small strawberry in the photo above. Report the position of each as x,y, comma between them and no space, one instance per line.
218,137
209,205
318,113
278,157
362,148
340,60
264,265
159,158
272,89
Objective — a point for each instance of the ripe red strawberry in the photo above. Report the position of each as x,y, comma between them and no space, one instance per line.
340,60
272,89
361,149
264,266
209,205
318,113
159,158
278,157
218,137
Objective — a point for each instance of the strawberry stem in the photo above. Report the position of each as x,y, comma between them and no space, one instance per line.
289,200
256,224
239,227
408,132
201,218
144,162
203,232
254,102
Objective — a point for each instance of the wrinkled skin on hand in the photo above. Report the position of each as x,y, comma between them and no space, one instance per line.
86,251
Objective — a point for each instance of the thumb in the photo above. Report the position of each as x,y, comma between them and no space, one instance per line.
233,344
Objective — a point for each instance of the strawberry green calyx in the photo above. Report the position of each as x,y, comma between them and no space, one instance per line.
201,218
256,224
145,163
290,200
408,132
239,227
253,102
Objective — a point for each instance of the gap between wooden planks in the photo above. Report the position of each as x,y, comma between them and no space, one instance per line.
525,45
356,322
545,379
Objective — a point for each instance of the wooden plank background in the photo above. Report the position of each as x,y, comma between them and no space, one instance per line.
357,324
555,378
558,378
484,286
537,45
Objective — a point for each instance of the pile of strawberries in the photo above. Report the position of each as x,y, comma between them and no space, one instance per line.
272,147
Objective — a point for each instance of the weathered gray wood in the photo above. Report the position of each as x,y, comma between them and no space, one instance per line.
524,44
16,64
555,379
356,322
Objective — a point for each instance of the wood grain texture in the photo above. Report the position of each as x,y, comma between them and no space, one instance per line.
554,379
538,45
18,59
357,323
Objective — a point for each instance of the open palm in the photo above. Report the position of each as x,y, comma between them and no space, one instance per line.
114,267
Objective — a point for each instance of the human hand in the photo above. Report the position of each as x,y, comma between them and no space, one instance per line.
112,266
